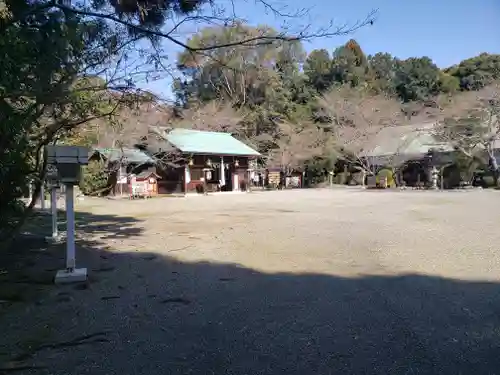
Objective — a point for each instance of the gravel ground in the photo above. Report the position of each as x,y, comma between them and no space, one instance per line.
338,281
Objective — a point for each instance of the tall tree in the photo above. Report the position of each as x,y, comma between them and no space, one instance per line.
382,72
416,78
318,69
471,122
298,144
357,116
349,64
239,73
42,95
447,83
263,81
477,72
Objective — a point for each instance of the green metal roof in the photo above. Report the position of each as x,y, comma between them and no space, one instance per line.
126,155
204,142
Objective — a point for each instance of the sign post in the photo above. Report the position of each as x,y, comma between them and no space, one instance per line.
53,208
70,231
68,161
52,178
42,196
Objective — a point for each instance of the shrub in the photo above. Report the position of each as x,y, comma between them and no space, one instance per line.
489,181
389,175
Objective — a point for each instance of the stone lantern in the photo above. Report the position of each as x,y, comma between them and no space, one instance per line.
434,177
66,162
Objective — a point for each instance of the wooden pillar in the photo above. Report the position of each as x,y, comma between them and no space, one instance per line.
184,180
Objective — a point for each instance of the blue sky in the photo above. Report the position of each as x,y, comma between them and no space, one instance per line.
447,31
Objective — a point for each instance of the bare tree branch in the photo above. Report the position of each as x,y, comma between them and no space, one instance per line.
260,39
358,117
297,144
471,123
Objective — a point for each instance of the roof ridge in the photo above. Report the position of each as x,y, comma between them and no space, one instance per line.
116,149
202,131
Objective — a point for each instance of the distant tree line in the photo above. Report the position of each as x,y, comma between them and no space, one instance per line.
304,109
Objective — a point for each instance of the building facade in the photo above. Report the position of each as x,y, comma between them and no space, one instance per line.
199,161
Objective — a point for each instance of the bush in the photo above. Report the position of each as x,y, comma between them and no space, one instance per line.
489,181
94,179
389,175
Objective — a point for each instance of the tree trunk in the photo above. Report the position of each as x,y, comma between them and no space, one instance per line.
494,167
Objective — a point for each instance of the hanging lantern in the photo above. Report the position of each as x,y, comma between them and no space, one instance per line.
209,162
237,163
191,162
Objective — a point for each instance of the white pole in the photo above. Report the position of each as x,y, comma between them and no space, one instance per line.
42,186
53,208
30,190
222,172
70,229
42,196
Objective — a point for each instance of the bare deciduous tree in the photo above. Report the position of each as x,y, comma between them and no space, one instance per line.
131,123
471,123
140,22
213,116
357,118
297,144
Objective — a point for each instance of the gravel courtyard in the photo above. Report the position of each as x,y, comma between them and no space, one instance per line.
339,281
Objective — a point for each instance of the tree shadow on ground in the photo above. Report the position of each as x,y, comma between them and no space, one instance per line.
105,226
144,313
29,264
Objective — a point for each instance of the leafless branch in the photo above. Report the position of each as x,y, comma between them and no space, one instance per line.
357,118
259,39
471,122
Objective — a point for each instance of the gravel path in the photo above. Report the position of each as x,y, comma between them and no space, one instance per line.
293,282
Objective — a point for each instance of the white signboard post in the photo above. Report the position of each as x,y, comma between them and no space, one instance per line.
52,178
42,196
68,161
